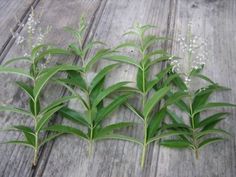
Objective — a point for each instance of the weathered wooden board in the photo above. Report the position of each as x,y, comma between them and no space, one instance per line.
212,19
112,158
215,21
10,13
16,160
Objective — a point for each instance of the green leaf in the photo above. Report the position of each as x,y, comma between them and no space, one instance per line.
74,116
175,97
104,112
204,78
56,103
99,55
35,51
90,46
27,89
62,67
178,82
201,96
110,129
16,110
120,137
213,105
101,75
148,41
15,71
96,91
180,103
75,79
158,78
43,79
49,138
175,143
67,130
210,141
72,91
123,59
156,122
24,143
211,131
17,59
51,51
129,44
172,77
141,79
156,52
28,132
211,119
155,98
167,134
46,117
76,50
34,109
175,118
47,74
107,92
157,60
134,110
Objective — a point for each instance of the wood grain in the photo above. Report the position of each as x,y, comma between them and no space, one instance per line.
16,160
214,21
112,158
12,12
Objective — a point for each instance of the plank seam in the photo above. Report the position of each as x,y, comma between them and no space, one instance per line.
172,7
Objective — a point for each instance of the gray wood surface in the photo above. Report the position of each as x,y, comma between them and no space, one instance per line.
108,19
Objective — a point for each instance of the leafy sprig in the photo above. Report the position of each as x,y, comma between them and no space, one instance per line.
92,95
201,130
150,98
39,78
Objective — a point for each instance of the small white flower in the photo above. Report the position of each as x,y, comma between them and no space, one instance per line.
20,40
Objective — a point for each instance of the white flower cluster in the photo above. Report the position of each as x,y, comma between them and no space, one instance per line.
193,55
32,22
35,35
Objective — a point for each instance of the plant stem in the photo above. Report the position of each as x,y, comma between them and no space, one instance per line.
36,150
35,157
144,144
197,154
144,95
195,143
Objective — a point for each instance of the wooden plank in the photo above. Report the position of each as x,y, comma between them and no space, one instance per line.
16,160
215,21
112,158
10,13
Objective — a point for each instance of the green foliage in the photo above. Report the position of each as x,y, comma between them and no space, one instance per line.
39,78
99,102
150,98
92,95
95,111
201,130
